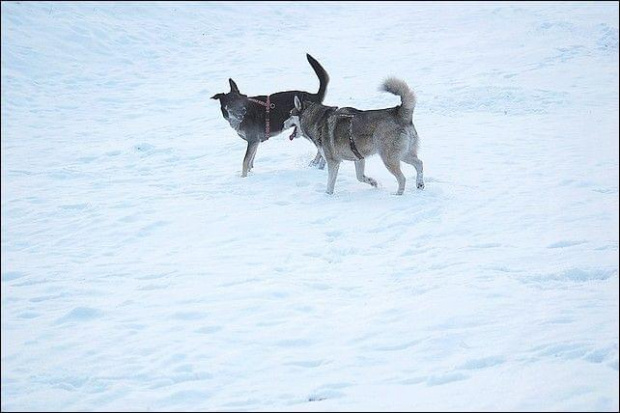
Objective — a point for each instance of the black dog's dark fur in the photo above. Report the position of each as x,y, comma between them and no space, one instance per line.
248,118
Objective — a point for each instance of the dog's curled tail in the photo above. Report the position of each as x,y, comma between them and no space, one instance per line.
321,74
407,97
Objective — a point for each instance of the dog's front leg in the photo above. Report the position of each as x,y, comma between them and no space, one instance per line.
332,172
252,158
359,171
249,157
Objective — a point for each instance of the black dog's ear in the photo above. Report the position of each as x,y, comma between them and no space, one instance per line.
297,103
233,86
217,96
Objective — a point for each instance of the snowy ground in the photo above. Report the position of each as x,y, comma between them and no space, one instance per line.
140,272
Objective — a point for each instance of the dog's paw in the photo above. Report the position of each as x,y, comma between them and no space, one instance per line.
398,192
372,182
317,164
420,185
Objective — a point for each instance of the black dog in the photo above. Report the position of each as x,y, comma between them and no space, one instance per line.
258,118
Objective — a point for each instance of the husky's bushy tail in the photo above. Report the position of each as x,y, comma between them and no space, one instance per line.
322,75
407,97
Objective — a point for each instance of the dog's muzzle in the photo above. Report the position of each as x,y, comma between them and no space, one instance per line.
234,122
235,117
287,124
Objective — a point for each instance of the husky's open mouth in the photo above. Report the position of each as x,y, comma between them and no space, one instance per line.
294,134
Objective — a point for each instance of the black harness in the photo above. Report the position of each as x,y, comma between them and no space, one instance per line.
351,141
330,112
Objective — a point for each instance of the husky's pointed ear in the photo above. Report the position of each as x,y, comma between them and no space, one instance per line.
233,86
217,96
297,103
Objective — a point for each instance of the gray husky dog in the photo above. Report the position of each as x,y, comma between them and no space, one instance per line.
352,134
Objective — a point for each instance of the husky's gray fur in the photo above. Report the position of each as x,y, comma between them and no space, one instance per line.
388,132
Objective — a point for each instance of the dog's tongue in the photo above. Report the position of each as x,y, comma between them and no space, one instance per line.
294,134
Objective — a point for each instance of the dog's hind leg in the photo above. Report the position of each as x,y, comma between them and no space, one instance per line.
412,159
249,157
332,172
393,165
359,171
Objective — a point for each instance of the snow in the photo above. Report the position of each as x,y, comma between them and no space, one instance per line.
141,272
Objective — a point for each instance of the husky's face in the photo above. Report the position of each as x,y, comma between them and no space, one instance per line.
294,119
232,104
